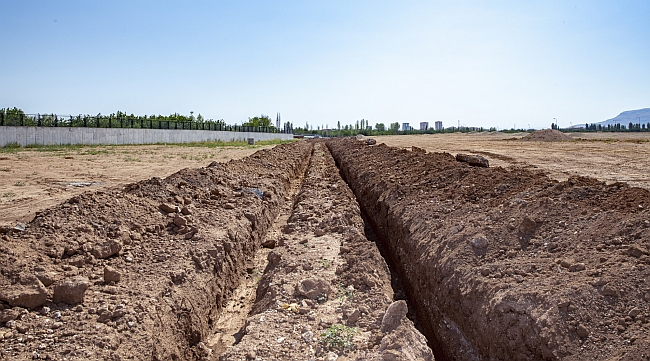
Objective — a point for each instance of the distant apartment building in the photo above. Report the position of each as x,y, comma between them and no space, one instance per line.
405,127
424,125
438,125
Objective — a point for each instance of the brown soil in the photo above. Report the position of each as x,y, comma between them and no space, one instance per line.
177,268
547,135
610,157
268,257
170,269
508,263
33,179
322,243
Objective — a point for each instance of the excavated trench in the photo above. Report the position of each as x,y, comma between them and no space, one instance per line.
324,280
507,263
309,250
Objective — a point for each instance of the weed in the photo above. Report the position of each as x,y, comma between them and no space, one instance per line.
343,293
5,169
338,337
19,183
131,159
10,148
325,263
8,195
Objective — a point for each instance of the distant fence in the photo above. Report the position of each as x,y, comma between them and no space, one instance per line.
25,136
86,121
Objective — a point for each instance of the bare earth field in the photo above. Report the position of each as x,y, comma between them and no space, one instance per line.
610,157
35,179
338,250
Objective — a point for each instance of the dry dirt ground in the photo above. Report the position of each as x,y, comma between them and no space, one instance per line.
611,157
32,179
268,257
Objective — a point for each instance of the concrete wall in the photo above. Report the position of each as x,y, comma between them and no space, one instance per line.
50,135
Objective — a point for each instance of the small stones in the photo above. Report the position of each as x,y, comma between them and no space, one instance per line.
582,331
229,206
26,296
635,251
307,336
288,228
8,315
70,291
179,220
111,275
319,232
576,267
609,290
393,316
313,287
168,208
178,277
106,249
354,317
274,258
572,266
473,160
527,226
634,312
269,243
479,242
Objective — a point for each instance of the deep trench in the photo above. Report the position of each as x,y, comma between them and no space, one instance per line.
399,291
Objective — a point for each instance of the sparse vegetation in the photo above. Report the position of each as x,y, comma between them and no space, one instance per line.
338,337
325,263
343,293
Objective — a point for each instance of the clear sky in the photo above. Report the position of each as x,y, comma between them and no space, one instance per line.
483,63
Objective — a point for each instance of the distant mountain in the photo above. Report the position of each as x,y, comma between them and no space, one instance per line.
631,116
641,116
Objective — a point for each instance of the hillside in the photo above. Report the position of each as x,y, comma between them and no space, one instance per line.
634,116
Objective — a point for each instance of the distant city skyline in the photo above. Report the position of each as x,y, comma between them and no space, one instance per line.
490,64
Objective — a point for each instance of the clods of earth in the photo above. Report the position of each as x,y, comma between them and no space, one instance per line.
333,250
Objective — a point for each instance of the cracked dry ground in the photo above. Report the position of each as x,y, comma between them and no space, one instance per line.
266,258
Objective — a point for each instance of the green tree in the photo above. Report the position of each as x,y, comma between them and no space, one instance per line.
261,121
394,127
380,127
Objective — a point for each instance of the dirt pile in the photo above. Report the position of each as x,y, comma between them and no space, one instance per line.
326,292
547,135
509,264
143,272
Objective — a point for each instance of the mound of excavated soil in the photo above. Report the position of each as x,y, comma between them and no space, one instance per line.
143,272
158,270
547,135
509,264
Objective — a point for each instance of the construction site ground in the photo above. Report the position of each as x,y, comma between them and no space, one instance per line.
338,249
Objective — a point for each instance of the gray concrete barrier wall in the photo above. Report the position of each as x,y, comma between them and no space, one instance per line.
49,135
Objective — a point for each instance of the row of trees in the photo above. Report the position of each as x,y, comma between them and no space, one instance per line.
119,119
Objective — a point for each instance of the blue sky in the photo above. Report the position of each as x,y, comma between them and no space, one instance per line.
483,63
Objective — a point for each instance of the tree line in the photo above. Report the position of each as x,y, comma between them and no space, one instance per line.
17,117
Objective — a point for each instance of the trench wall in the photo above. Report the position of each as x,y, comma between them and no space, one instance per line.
507,263
74,135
